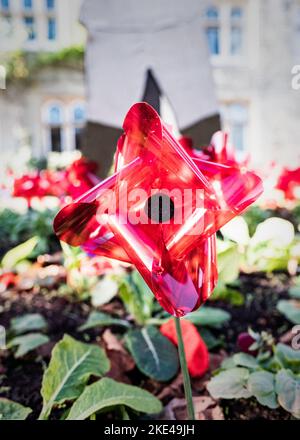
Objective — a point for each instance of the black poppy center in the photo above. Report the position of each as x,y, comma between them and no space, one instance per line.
160,208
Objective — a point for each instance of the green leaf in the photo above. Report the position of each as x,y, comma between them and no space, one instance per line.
224,293
262,385
26,323
210,340
288,358
137,297
229,260
153,353
27,343
13,411
209,316
230,384
294,292
72,363
107,393
288,391
245,360
290,309
19,253
104,291
237,230
99,319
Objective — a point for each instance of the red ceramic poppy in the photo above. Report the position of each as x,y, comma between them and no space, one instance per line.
160,211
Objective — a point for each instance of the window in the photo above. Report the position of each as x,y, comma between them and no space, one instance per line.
213,30
235,118
212,12
55,126
236,37
27,4
236,40
4,5
51,29
79,118
50,5
225,29
213,40
236,12
30,28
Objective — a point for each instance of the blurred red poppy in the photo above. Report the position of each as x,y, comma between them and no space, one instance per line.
196,351
77,179
160,211
289,183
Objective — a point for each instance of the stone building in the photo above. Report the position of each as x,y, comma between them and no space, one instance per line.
255,51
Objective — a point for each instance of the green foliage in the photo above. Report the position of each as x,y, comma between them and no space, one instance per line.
288,391
227,294
153,353
230,384
27,323
13,411
272,379
21,252
17,228
71,365
104,291
27,343
22,66
99,319
209,317
261,384
107,393
20,336
255,215
137,297
290,309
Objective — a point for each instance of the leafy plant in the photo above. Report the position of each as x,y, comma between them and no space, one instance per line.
18,228
272,379
106,394
27,343
65,383
291,308
100,319
13,411
153,353
71,365
209,317
21,336
137,297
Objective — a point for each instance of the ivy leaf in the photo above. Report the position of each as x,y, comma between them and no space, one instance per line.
262,385
10,410
107,393
153,353
230,384
209,316
288,390
72,363
290,309
99,319
26,323
27,343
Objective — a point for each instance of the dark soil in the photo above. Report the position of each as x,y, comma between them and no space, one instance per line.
20,380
